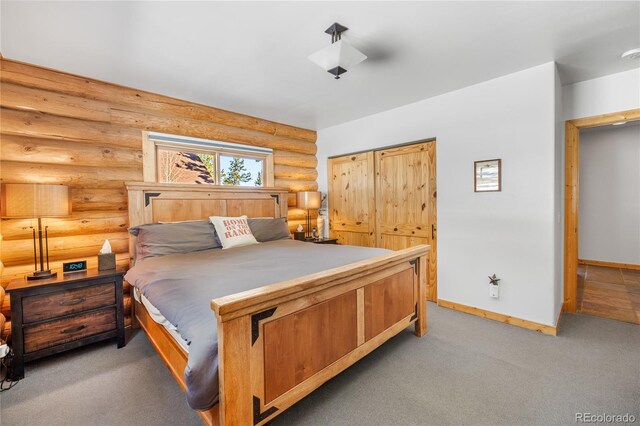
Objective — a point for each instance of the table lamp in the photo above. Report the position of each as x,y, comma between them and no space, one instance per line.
309,200
36,201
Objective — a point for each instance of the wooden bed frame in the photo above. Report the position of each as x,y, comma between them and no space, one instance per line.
278,343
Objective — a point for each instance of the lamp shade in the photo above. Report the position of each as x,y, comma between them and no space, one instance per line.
338,54
32,200
308,200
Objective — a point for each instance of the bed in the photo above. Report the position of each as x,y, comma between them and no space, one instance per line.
281,337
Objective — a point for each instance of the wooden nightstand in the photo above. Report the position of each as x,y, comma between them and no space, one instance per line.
66,312
323,241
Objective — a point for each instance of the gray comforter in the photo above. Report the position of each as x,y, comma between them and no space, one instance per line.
181,286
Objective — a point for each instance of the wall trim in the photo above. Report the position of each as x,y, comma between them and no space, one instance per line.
519,322
609,264
558,319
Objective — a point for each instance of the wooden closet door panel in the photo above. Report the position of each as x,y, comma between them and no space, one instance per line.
405,201
362,239
351,199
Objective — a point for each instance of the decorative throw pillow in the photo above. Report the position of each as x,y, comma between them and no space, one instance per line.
233,231
269,229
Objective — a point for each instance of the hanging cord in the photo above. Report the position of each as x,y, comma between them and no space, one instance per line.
5,372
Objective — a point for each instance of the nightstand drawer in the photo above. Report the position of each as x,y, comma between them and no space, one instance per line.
45,306
66,330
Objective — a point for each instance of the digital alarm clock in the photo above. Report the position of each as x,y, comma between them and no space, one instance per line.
78,266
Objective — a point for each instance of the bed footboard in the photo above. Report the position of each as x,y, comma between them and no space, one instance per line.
278,343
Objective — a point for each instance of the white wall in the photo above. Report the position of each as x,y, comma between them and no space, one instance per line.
559,194
512,233
609,225
611,93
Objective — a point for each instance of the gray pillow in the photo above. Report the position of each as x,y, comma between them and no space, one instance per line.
160,239
269,229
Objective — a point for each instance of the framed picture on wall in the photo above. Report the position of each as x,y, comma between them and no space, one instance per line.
487,176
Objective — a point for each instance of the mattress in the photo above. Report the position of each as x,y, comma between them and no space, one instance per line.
155,315
181,287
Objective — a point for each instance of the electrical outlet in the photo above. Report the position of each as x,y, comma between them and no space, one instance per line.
494,291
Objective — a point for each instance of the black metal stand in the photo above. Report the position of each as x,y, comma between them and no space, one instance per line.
42,273
307,234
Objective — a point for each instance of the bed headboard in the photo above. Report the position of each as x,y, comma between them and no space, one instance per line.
170,202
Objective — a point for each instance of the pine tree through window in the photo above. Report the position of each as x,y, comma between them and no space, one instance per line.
240,171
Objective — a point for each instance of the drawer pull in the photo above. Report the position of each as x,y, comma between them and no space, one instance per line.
73,301
73,329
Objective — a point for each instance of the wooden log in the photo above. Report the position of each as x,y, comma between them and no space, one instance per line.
94,199
205,129
76,247
299,214
30,99
56,81
51,151
291,200
296,159
19,271
3,321
74,176
294,173
35,124
79,223
2,297
296,185
6,305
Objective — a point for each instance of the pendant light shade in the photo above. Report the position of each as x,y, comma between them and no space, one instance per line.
338,57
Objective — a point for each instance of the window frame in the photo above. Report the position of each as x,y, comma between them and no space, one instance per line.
152,142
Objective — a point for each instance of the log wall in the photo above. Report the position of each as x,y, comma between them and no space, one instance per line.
61,128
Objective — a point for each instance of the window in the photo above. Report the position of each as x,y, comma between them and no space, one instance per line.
178,159
236,170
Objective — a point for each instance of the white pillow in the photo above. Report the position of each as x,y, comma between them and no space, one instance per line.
233,231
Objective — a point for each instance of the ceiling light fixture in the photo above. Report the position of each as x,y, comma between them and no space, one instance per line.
631,54
339,56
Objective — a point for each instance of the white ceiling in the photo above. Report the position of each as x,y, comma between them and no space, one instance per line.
251,57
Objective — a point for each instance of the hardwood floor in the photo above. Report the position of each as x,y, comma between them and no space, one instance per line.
609,292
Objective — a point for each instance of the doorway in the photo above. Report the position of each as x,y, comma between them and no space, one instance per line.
572,178
609,225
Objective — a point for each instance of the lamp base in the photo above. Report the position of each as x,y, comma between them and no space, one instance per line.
42,275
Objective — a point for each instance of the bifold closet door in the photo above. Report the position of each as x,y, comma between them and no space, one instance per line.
405,193
351,199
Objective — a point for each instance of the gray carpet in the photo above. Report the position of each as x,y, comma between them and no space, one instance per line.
467,370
